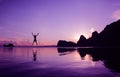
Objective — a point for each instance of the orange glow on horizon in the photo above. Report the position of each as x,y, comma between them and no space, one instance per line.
26,42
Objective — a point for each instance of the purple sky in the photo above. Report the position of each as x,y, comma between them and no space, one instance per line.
54,19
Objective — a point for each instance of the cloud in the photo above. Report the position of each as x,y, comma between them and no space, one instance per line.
116,14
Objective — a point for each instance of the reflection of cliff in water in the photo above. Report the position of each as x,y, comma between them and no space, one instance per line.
110,56
65,51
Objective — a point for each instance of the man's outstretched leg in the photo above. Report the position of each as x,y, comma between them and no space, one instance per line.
36,43
32,43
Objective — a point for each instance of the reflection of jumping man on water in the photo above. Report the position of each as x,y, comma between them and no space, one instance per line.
34,55
35,40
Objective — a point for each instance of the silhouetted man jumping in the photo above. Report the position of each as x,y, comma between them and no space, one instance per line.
35,40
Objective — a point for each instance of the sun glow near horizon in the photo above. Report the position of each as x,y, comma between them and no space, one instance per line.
87,34
76,36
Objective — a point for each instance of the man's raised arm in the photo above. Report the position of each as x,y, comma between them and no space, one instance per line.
32,34
37,34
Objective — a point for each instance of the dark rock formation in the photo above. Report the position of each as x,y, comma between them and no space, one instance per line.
93,41
82,41
109,37
63,43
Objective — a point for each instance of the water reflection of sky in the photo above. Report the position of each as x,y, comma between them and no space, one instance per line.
47,58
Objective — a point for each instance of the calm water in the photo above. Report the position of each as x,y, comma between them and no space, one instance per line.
53,62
